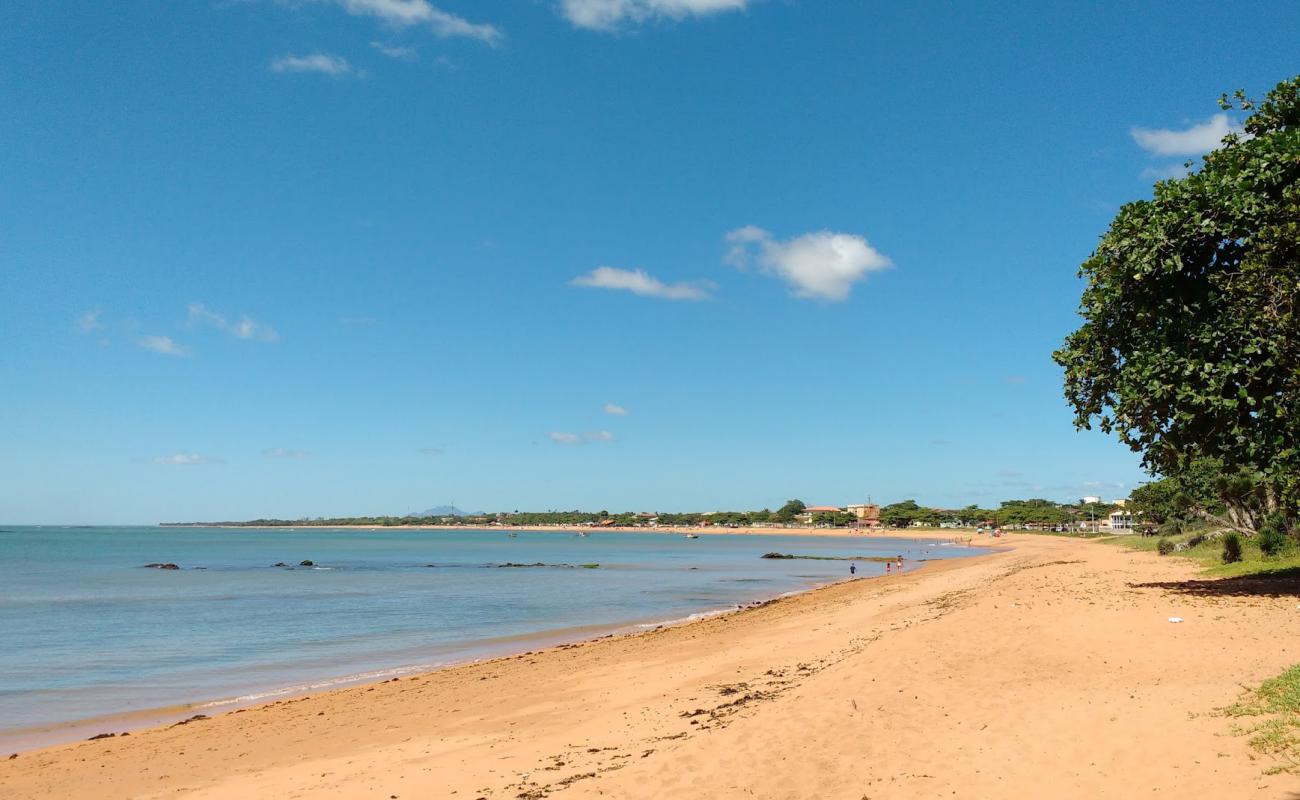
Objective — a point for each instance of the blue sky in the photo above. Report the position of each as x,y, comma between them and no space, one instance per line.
370,256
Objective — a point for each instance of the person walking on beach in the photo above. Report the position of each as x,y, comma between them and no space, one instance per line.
888,564
853,569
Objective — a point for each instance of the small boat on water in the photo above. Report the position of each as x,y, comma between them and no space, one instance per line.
692,536
513,535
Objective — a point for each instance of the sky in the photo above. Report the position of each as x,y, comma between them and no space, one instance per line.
343,257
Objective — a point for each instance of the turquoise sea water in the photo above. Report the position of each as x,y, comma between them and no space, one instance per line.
86,631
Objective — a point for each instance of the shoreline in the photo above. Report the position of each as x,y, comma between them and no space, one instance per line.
915,685
42,736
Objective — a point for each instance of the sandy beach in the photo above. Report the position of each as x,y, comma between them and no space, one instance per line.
1046,669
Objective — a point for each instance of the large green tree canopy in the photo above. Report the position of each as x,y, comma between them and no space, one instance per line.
1190,345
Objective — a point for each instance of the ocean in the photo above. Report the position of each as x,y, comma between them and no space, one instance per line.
86,630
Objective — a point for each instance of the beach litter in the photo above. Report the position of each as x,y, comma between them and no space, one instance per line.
1175,619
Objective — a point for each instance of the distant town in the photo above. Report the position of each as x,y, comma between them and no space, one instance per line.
1088,515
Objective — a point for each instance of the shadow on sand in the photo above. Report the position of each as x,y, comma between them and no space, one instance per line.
1280,583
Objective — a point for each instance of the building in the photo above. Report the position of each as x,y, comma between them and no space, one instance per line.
1120,521
868,514
811,511
1091,499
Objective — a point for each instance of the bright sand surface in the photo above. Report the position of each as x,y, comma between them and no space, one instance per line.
1049,670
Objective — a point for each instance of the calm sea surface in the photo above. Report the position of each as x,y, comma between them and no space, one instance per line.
86,631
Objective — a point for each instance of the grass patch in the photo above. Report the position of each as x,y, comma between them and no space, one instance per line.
1209,555
1276,706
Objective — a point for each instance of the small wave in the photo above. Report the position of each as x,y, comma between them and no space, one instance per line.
360,677
691,618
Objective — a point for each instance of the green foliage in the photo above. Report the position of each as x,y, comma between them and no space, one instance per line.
1190,345
900,515
1164,546
787,512
1231,548
1272,538
1277,703
1271,541
1041,512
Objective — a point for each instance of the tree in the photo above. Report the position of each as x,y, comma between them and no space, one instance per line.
787,512
900,515
1190,345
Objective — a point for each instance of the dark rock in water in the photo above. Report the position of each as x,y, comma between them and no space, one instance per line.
306,562
776,555
430,565
161,566
101,736
279,564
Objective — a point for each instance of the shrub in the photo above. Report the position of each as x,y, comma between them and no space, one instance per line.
1164,547
1231,548
1271,540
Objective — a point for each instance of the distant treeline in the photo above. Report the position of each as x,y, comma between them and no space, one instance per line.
908,513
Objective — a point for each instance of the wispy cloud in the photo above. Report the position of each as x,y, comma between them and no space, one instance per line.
398,52
564,437
163,344
408,13
1193,140
186,460
430,451
615,409
246,328
610,15
89,322
284,452
320,63
822,265
638,281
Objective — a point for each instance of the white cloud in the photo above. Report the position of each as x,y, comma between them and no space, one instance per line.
322,63
396,51
616,410
637,281
248,329
609,15
89,322
284,452
406,13
822,265
245,328
1194,140
563,437
163,344
186,459
200,315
